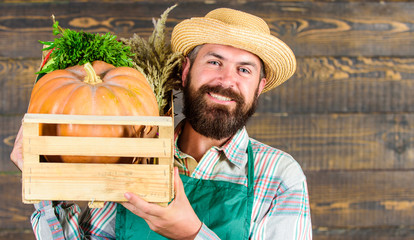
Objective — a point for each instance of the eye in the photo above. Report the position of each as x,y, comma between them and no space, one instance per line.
214,62
244,70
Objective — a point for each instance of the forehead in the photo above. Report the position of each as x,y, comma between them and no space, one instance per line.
227,52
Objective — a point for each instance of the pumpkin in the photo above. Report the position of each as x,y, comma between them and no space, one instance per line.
93,89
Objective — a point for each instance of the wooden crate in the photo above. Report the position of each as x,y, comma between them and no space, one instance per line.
95,182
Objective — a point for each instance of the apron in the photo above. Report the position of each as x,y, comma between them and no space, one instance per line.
222,206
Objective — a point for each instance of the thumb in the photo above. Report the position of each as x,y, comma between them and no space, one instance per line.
178,185
17,152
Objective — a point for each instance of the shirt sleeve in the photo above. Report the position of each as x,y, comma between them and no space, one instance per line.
61,220
45,223
206,234
289,217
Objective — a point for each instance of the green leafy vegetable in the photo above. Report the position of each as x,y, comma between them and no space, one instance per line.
77,48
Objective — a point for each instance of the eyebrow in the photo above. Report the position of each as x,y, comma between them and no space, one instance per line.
249,63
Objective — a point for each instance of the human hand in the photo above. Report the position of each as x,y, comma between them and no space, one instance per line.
17,153
176,221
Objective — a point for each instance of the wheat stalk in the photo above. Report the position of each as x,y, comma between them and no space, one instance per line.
156,60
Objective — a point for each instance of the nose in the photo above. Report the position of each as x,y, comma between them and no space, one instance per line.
228,77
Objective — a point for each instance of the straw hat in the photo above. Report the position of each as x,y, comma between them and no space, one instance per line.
241,30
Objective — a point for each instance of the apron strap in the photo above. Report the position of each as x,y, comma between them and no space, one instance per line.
250,167
250,186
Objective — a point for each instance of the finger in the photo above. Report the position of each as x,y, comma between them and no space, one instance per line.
16,159
178,185
134,209
19,135
141,207
17,153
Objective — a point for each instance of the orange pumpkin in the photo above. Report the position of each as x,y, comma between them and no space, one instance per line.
93,89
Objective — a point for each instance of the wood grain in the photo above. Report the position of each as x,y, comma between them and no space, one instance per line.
93,182
345,85
21,234
9,126
346,115
16,82
13,213
372,233
361,198
317,141
335,201
340,141
310,28
23,24
320,85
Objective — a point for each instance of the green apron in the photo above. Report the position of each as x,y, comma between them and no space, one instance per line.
222,206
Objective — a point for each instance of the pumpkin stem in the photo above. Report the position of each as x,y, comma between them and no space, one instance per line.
91,76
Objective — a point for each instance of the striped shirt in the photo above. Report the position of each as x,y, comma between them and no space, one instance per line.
280,206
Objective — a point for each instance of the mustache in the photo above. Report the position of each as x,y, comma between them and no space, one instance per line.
226,92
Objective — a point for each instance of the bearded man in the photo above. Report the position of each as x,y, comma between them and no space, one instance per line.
227,185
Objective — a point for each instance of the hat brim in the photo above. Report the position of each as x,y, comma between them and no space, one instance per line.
278,58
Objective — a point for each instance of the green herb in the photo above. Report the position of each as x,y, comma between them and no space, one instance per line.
156,60
77,48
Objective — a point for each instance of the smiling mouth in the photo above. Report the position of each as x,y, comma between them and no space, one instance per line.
220,97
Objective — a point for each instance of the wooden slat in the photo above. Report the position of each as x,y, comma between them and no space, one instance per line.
91,146
361,198
30,130
321,28
16,83
345,84
13,213
23,24
92,182
9,126
340,141
20,234
165,132
375,233
97,120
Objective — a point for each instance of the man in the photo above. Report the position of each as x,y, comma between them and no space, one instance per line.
231,186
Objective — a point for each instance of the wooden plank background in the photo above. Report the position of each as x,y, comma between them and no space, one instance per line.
346,115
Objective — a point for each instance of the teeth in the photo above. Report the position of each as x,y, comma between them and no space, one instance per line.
219,97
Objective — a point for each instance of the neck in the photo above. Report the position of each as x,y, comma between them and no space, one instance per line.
195,144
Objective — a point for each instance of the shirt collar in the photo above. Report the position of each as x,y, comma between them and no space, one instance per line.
235,149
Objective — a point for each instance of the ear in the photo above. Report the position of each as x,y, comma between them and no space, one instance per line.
186,71
262,84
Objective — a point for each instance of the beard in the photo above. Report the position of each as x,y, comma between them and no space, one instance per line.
216,121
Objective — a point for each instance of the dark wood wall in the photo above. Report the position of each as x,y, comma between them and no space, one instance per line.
346,115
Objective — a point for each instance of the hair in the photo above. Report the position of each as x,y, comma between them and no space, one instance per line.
193,54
